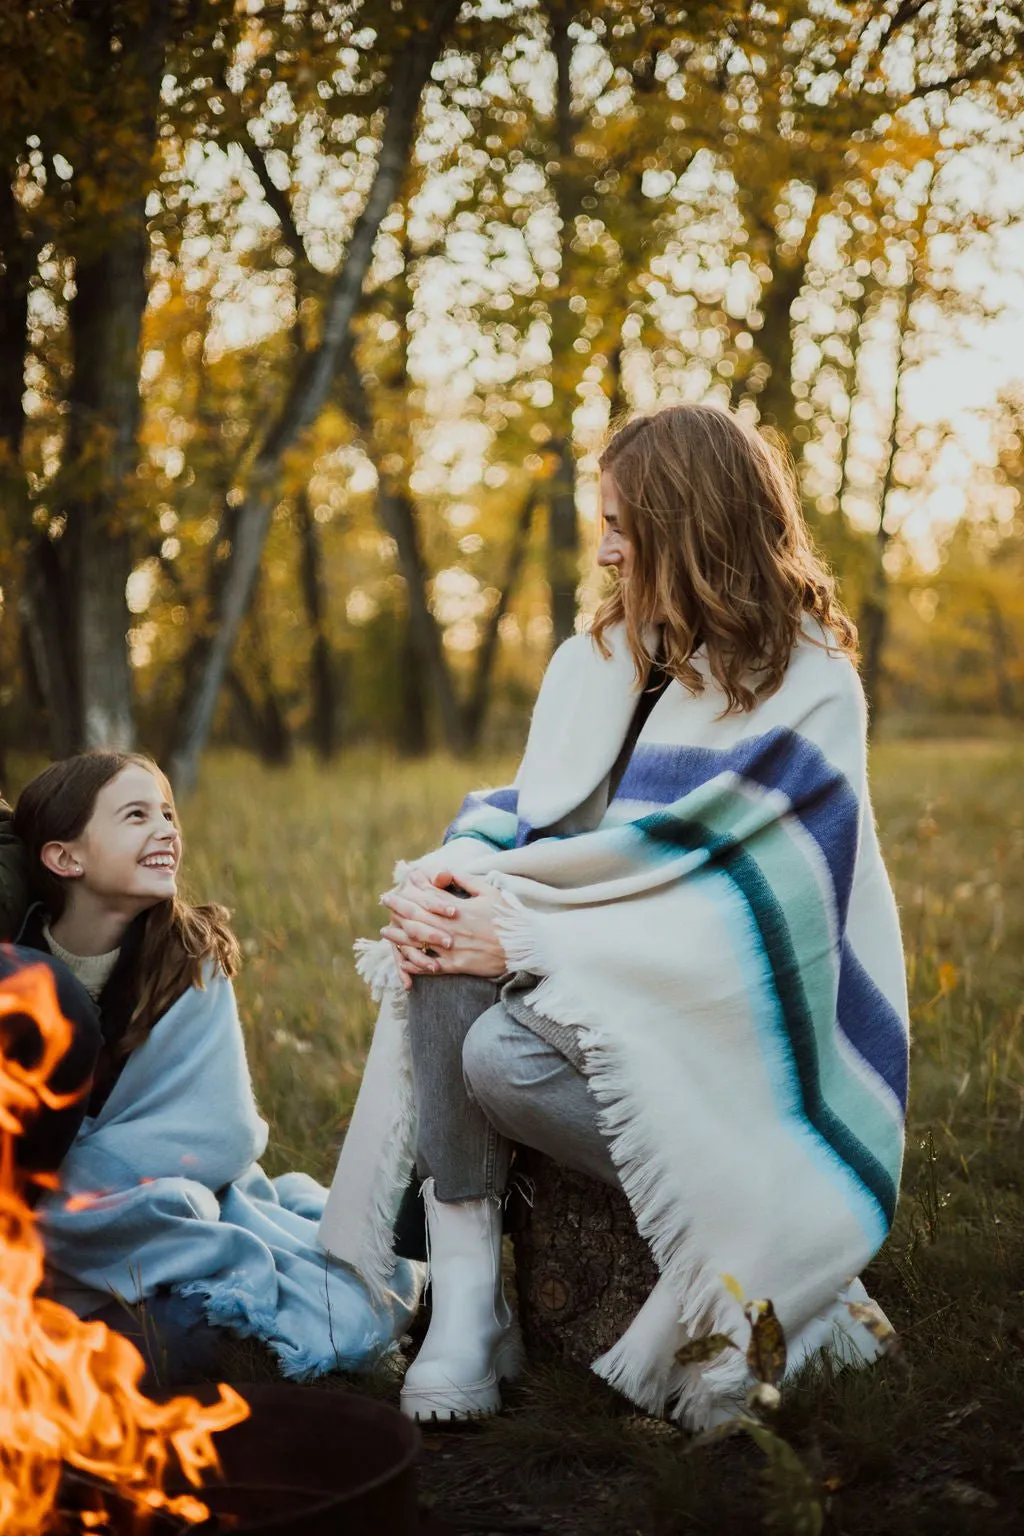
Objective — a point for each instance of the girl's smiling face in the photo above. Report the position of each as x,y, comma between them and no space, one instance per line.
128,853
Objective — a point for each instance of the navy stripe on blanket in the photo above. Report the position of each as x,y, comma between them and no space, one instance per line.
871,1024
752,885
780,759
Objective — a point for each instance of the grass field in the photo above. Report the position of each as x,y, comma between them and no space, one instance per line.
930,1442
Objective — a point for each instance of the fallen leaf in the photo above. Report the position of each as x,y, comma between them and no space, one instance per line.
766,1352
708,1347
878,1325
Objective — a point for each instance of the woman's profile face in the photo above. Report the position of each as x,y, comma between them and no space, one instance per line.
615,549
130,848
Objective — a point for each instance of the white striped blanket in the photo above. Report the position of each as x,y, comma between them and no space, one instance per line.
726,942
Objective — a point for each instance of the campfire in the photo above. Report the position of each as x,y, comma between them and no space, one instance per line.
71,1412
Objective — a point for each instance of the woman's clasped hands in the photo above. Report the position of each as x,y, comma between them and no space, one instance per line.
434,932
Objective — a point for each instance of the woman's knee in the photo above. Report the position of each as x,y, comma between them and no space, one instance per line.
485,1058
448,1000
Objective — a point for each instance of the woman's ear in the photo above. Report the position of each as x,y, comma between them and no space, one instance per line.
59,860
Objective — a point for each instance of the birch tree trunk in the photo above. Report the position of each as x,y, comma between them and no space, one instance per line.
306,395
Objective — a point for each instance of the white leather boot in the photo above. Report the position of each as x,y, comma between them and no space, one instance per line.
472,1342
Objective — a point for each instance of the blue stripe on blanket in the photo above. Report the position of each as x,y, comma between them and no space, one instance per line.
781,759
778,949
490,817
871,1024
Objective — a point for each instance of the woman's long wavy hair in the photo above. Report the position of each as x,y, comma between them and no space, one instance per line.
178,939
722,555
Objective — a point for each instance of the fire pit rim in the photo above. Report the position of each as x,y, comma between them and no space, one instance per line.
280,1392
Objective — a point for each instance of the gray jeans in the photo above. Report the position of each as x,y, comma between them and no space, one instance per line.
483,1081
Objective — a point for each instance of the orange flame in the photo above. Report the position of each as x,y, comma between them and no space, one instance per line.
69,1389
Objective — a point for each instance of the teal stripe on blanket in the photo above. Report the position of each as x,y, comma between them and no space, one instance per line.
780,953
792,865
754,974
488,823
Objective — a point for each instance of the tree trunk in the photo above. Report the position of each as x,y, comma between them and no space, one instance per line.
18,260
873,620
563,543
323,678
44,603
861,307
396,514
42,606
398,517
262,721
1005,699
261,705
563,524
582,1269
480,694
414,725
775,343
615,386
306,396
110,246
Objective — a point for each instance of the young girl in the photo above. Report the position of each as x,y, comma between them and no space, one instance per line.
675,963
161,1196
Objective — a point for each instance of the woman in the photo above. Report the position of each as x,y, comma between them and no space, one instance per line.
678,964
161,1199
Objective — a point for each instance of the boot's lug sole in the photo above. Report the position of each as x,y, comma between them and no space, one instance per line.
481,1400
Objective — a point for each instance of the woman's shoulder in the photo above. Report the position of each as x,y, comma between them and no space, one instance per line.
572,653
822,681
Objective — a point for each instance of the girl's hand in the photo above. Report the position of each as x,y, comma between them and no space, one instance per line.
434,935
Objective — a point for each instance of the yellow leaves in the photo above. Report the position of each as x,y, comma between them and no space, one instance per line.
948,977
734,1288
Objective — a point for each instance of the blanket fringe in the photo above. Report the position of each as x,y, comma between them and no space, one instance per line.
392,1176
375,963
690,1298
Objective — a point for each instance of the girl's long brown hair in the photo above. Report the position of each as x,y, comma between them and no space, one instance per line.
722,555
179,939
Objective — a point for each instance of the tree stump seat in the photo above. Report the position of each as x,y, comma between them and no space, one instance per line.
582,1269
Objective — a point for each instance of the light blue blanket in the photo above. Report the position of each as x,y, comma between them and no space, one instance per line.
163,1189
